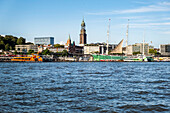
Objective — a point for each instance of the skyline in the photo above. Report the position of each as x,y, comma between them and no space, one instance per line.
43,18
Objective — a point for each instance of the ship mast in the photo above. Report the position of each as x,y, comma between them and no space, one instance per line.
127,35
143,43
107,51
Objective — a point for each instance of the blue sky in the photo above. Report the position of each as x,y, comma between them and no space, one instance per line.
59,18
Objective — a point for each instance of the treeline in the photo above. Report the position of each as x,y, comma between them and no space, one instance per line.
8,42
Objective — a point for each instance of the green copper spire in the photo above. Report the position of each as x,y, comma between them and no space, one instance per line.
83,23
69,37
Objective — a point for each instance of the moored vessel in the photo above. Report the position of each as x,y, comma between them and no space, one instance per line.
33,58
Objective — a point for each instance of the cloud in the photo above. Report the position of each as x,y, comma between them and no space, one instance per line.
166,32
151,25
166,18
139,2
160,7
164,3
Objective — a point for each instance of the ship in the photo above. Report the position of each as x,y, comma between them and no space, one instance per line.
32,58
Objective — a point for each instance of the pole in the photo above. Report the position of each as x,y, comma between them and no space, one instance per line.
107,52
127,36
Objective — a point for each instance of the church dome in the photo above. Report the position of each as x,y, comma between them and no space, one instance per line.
83,23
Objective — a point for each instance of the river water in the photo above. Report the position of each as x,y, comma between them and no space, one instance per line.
85,87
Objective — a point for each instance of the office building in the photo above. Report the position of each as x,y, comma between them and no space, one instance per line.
165,50
137,49
44,41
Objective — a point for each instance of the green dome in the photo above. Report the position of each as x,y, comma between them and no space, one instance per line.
83,23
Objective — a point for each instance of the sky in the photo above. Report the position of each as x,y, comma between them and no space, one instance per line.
149,19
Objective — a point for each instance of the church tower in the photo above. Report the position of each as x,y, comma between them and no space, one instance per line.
68,41
83,35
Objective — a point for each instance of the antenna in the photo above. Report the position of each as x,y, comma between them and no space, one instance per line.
107,52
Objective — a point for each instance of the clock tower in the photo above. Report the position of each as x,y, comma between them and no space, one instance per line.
83,35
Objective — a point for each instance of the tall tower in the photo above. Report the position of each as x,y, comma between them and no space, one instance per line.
83,35
68,41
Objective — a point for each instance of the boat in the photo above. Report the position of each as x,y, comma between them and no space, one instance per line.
32,58
140,58
108,57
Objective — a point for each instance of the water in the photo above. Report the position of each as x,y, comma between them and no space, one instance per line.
85,87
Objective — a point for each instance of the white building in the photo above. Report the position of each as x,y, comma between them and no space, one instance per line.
26,48
137,48
91,49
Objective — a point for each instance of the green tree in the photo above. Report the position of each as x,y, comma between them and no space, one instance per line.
2,45
135,53
46,52
152,51
64,53
30,52
20,41
10,48
59,46
7,47
15,53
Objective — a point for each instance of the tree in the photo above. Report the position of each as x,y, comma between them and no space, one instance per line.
7,47
20,41
10,48
46,52
30,52
135,53
2,45
152,51
15,52
59,46
64,53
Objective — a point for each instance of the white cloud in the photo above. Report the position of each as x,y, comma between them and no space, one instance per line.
164,3
139,2
166,32
160,7
152,24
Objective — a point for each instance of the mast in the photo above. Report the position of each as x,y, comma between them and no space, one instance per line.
143,43
107,51
127,34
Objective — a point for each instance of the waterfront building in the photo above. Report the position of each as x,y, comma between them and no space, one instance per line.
55,50
44,41
99,48
91,49
137,49
83,35
25,48
165,50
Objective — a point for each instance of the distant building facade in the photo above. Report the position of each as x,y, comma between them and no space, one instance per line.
55,50
44,41
165,50
137,48
26,48
83,35
91,49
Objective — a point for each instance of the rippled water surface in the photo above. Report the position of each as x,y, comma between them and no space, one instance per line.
85,87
